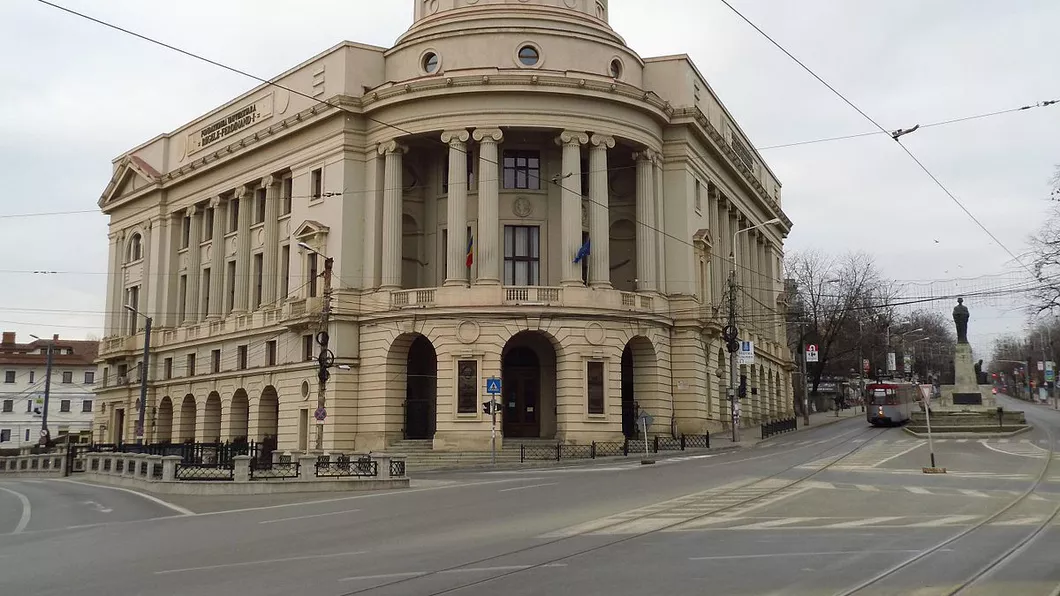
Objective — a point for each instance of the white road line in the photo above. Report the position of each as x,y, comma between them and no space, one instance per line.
868,521
23,521
949,519
261,562
506,490
1025,520
971,492
868,488
942,440
962,440
283,519
382,576
773,523
1002,440
151,498
803,554
918,490
499,568
900,454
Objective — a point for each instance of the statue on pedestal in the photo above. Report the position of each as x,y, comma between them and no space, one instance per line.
960,317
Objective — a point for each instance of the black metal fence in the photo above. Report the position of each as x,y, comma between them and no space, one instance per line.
596,449
344,467
777,427
203,472
287,470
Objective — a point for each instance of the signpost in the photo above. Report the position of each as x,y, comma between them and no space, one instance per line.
926,401
746,355
812,353
645,421
493,389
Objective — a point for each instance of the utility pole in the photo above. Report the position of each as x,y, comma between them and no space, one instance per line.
804,380
731,335
143,382
45,435
326,358
861,367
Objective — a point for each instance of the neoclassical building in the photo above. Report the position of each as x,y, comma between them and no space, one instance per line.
509,191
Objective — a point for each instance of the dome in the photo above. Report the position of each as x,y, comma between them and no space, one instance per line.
430,15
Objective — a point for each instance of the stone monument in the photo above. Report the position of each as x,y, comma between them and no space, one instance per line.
966,389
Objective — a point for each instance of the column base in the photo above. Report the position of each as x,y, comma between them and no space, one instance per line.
487,282
601,285
572,283
455,283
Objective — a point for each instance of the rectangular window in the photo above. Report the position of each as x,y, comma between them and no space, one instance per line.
86,405
270,353
27,434
167,369
594,377
522,170
285,270
469,154
215,361
230,283
190,366
32,375
182,295
5,435
68,377
64,405
9,376
233,214
259,205
316,184
185,231
106,374
123,371
285,195
698,196
9,405
241,357
307,347
133,300
29,406
139,371
467,386
207,223
259,265
205,283
311,262
90,377
522,256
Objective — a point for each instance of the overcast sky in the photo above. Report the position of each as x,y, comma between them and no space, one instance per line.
76,95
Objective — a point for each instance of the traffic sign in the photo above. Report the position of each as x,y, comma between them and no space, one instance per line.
320,414
811,353
645,418
746,355
493,386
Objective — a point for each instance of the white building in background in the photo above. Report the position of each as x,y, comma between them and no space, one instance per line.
510,190
71,395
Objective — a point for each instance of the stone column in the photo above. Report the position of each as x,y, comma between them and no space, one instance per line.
217,260
112,317
744,262
660,223
599,215
393,189
645,222
242,281
194,270
768,307
373,217
571,205
270,257
456,272
487,245
717,249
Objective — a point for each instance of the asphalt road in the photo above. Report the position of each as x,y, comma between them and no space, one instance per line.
731,523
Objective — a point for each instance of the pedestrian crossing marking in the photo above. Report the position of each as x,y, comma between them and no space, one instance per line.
867,488
974,493
868,521
918,490
948,520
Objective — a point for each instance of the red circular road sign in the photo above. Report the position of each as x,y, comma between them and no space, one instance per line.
320,414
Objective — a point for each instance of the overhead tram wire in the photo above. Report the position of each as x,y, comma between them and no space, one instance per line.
894,134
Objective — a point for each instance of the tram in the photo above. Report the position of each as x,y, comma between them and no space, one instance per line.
890,403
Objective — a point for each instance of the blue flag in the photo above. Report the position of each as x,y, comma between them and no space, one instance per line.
582,252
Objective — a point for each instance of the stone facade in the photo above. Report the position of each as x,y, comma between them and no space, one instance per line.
595,196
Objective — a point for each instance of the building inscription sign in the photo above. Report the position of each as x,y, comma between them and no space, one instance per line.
230,124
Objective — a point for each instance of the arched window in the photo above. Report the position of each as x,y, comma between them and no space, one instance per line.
136,248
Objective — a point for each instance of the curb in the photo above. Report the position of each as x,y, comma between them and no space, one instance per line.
945,435
572,463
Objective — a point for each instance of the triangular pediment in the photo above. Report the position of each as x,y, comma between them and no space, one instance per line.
704,236
132,175
310,229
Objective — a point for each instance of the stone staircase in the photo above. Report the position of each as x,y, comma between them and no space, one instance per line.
422,456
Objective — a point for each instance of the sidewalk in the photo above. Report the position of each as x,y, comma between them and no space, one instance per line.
751,436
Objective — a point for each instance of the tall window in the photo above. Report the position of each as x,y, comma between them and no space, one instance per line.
190,366
9,376
285,195
285,270
231,283
182,295
522,170
205,283
64,405
215,361
136,248
207,223
32,375
68,377
270,352
585,260
185,231
307,347
311,261
316,184
241,357
594,378
133,300
698,196
522,256
9,405
5,435
233,214
86,405
167,369
258,272
259,205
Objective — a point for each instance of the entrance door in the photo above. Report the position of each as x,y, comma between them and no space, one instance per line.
629,404
521,393
119,426
420,390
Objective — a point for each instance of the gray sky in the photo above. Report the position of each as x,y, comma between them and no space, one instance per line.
76,95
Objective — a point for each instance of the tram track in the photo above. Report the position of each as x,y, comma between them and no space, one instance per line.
635,535
994,564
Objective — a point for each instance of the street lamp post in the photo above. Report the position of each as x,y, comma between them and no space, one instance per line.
734,333
326,357
44,432
143,374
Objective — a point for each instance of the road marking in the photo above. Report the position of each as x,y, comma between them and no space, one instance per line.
23,521
506,490
773,523
261,562
857,523
151,498
973,493
283,519
1025,520
918,490
949,519
359,578
1002,440
1020,450
868,488
962,440
464,570
803,554
98,507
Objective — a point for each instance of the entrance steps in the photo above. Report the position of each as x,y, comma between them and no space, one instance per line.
422,456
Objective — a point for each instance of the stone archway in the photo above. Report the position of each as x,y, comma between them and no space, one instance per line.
421,389
239,416
164,421
640,366
268,414
211,421
528,386
187,419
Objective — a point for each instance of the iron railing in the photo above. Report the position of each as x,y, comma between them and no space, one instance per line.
274,471
596,449
343,467
777,427
397,468
207,472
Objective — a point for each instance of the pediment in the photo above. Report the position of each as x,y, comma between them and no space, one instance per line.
703,236
132,175
310,229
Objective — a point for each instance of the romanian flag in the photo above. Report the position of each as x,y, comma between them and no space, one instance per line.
470,250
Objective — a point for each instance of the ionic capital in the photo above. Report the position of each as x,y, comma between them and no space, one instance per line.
268,181
215,202
604,141
391,147
572,137
644,155
191,211
241,191
488,135
455,137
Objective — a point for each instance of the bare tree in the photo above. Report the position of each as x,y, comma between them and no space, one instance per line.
1045,245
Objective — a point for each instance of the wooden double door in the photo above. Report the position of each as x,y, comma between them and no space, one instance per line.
521,394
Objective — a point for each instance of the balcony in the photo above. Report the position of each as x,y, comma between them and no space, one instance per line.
405,298
532,295
493,296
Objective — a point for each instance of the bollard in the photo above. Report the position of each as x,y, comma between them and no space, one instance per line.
241,468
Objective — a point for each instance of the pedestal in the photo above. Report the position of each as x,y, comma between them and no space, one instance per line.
966,391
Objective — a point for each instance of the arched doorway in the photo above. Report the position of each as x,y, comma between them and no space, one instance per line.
239,416
187,419
528,380
421,389
164,421
268,414
639,384
211,421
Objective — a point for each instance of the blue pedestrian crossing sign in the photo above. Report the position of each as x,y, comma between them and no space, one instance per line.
493,386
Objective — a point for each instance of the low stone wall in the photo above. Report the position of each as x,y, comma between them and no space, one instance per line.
47,464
